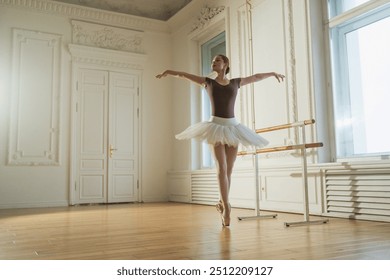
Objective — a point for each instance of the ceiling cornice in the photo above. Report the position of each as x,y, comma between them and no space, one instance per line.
89,14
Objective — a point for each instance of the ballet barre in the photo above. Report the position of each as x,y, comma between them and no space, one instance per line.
285,126
302,146
281,148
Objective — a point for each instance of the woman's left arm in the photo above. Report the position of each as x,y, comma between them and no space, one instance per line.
261,76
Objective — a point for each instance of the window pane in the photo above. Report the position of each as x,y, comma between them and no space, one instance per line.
209,50
369,90
337,7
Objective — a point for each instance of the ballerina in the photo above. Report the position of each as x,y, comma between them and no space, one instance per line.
223,132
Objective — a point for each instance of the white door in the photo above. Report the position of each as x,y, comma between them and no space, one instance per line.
122,138
106,137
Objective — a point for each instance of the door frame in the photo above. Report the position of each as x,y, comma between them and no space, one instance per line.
84,57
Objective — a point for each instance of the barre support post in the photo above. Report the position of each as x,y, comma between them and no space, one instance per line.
305,184
257,193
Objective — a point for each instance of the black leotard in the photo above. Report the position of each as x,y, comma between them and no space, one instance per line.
222,97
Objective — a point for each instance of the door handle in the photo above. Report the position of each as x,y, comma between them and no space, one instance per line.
111,150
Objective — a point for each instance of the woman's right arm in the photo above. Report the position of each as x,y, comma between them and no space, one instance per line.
193,78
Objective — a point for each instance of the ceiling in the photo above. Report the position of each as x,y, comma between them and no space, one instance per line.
153,9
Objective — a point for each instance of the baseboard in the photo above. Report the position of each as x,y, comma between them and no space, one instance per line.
42,204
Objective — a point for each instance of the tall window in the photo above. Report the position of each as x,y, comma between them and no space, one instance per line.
211,48
360,44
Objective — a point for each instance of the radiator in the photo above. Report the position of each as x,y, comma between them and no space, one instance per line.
358,193
204,188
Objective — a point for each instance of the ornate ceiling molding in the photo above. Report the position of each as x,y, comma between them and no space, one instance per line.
206,15
89,14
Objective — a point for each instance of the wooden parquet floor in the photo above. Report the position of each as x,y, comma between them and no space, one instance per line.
174,231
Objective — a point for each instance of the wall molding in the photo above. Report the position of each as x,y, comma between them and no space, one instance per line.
35,107
206,15
107,58
89,14
37,204
179,186
291,63
244,41
107,37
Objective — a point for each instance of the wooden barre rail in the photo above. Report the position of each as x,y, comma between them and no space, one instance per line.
284,126
281,148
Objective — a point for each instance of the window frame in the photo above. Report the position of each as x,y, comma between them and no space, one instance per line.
337,26
206,157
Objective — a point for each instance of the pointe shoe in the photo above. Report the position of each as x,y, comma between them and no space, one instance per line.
226,220
219,207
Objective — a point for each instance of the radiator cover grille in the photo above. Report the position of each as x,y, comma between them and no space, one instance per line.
204,188
359,193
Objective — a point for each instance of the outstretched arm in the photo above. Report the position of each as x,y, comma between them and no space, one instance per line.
193,78
261,76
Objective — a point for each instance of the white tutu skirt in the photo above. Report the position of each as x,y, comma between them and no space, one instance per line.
223,131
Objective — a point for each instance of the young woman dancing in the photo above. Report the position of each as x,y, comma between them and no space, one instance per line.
222,131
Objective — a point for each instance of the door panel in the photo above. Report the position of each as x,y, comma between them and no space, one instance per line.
92,140
123,138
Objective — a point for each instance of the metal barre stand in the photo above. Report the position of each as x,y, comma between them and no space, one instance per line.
303,146
257,207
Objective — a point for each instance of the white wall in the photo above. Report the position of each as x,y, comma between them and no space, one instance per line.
156,119
48,185
23,186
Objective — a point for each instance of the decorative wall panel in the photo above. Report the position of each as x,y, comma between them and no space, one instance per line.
179,184
107,37
35,109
